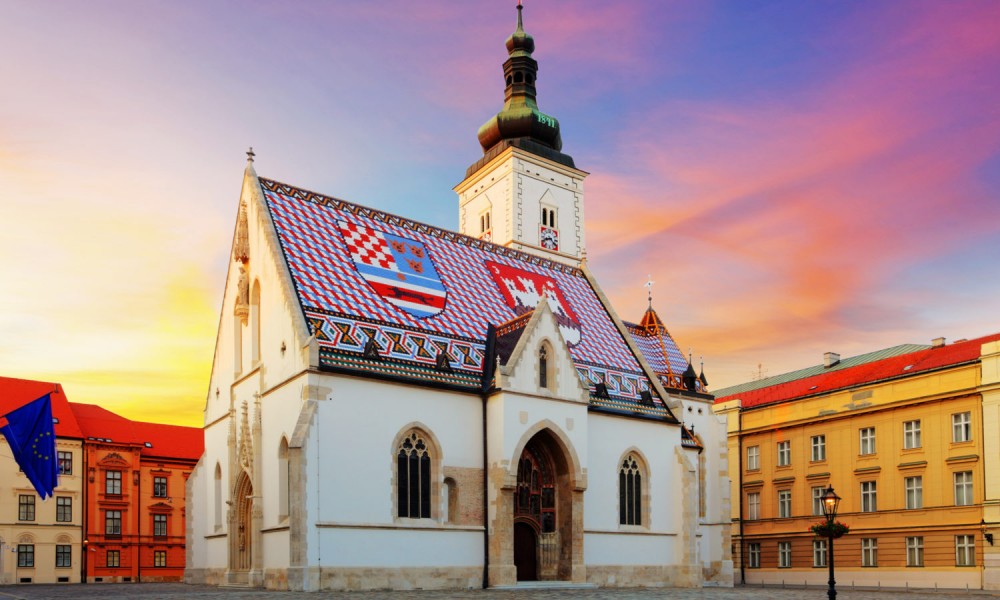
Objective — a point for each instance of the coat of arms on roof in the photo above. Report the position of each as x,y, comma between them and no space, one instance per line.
523,289
399,269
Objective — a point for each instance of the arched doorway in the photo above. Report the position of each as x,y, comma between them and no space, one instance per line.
241,536
542,511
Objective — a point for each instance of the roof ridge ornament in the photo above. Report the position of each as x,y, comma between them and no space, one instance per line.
250,155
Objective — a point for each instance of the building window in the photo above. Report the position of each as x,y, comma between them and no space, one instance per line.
284,488
784,555
961,427
548,217
914,491
65,462
64,556
818,443
817,496
113,483
965,550
25,508
963,488
113,522
869,552
160,558
869,500
25,555
630,492
413,478
819,553
64,509
753,555
160,525
112,558
915,551
785,504
867,437
784,454
159,487
543,368
753,458
911,434
753,506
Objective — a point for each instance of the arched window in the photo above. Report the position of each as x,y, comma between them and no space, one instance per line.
413,477
283,488
543,367
449,501
630,492
217,496
255,323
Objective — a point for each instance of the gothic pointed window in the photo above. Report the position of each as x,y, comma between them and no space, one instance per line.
543,368
413,478
255,323
283,487
630,479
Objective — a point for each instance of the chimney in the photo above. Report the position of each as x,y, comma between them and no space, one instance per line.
830,359
937,342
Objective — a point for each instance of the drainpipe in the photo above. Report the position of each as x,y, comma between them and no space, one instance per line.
739,444
489,370
84,483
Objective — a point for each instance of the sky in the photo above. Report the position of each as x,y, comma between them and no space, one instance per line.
796,177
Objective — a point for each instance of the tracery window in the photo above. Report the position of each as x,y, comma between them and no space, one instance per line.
413,478
630,492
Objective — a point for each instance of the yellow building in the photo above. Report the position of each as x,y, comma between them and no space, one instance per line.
40,540
899,434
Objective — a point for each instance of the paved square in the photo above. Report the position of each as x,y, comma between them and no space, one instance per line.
179,591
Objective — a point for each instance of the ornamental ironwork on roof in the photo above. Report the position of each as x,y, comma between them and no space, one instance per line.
417,292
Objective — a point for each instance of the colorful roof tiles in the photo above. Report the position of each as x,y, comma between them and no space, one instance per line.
898,365
15,393
156,439
418,290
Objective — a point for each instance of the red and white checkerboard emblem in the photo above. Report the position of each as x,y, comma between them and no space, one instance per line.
399,269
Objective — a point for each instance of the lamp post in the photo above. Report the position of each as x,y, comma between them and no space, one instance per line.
830,502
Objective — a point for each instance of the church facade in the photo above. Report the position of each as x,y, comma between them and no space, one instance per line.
397,406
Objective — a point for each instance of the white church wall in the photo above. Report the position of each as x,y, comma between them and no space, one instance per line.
356,430
391,549
608,542
541,183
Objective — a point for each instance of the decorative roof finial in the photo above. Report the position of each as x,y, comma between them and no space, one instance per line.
649,289
250,154
520,26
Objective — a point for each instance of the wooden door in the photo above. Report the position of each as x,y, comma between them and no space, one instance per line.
525,552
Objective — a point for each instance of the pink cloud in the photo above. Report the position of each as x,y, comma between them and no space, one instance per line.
827,192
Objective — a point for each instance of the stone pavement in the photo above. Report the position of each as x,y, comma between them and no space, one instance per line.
180,591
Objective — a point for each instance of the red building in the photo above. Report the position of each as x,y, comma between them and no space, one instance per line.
134,512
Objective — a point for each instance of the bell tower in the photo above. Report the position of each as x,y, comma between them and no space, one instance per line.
524,193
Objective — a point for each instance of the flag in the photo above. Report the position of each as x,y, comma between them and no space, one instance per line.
32,439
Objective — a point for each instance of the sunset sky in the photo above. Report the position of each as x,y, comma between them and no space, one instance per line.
797,177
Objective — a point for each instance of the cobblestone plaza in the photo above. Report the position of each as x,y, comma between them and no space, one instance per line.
179,591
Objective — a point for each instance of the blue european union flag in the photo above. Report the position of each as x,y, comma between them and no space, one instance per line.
32,439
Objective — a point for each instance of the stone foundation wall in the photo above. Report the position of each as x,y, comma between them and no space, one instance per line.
204,576
642,576
403,578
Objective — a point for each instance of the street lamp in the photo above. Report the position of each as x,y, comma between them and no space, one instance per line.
830,503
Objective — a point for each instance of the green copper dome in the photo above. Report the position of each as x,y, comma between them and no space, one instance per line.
520,123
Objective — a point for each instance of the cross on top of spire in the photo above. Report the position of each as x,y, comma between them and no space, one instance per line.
649,289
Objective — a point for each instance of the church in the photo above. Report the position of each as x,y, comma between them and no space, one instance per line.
397,406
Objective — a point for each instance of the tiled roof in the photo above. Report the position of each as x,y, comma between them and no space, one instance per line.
818,369
419,290
660,349
15,393
166,441
891,367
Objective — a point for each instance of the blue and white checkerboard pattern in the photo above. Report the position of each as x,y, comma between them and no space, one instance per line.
332,291
658,349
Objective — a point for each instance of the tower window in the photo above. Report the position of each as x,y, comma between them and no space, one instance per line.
509,80
548,217
527,79
518,77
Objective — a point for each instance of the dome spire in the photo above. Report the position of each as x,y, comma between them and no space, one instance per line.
520,123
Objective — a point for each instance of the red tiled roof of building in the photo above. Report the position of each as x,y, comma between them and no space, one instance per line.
168,441
15,393
888,368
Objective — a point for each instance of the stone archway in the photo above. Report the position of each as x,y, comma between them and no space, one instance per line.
241,529
541,502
